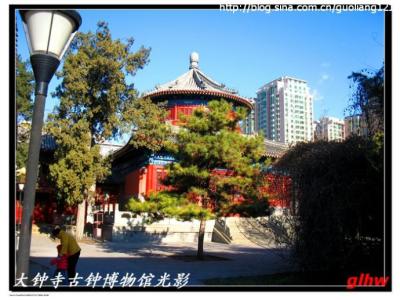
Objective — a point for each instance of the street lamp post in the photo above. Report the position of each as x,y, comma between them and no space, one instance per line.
21,190
49,33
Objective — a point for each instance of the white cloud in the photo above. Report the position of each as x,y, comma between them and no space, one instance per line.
324,77
316,95
326,64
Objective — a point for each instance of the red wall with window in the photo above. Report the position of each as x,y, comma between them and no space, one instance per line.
177,110
278,187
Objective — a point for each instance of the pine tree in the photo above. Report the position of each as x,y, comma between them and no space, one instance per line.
24,83
96,104
217,170
150,129
24,106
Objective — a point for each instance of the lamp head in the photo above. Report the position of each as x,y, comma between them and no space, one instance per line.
49,34
50,31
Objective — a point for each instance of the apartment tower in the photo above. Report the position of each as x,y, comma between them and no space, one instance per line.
284,111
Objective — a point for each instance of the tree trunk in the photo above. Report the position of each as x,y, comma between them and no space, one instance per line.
200,245
81,215
80,220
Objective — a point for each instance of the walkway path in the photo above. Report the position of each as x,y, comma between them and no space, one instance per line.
108,257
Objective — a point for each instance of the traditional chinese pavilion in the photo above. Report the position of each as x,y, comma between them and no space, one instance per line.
136,173
140,173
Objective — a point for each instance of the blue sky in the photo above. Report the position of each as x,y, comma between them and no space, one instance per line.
245,51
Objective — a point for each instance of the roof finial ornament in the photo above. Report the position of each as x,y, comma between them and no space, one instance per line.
194,60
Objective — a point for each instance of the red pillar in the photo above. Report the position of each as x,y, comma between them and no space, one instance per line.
151,179
175,112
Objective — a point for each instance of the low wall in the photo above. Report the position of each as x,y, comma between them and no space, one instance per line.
236,230
168,230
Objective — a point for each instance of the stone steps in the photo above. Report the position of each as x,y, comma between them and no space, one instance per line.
249,231
230,230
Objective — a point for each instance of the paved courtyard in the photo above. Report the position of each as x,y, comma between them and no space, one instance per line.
157,258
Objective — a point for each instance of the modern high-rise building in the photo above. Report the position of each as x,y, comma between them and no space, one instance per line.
355,125
330,129
247,124
315,126
284,110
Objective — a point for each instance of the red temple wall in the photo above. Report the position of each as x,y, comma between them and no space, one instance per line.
144,181
131,187
278,187
155,175
176,110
